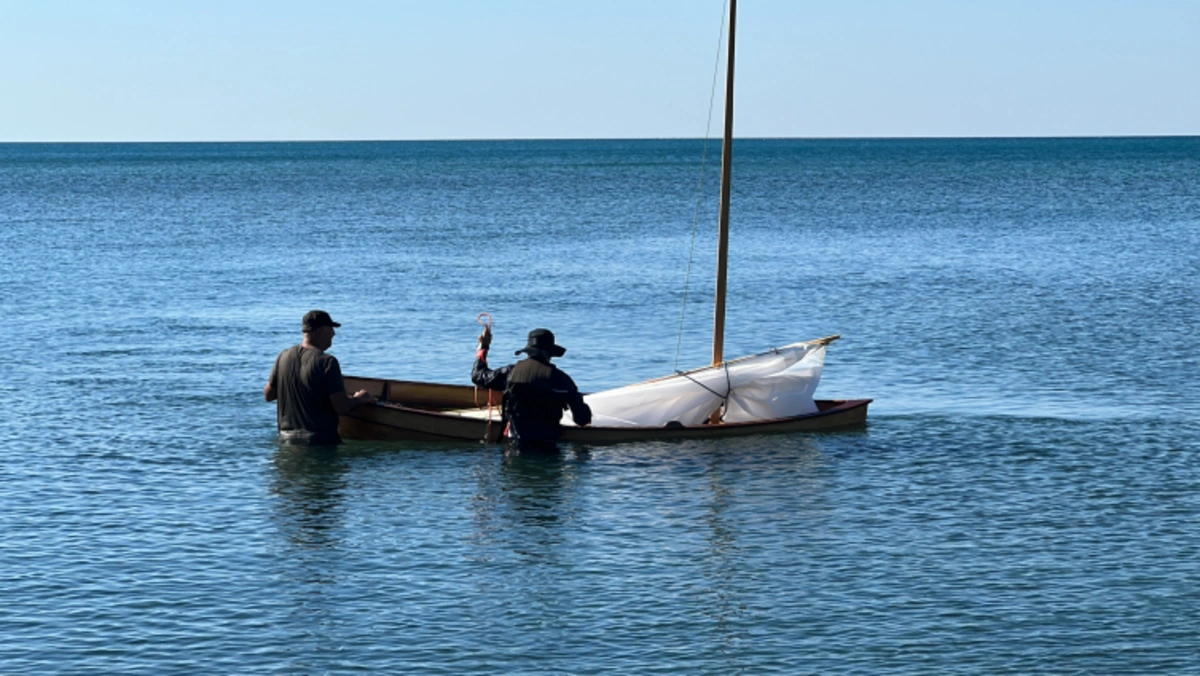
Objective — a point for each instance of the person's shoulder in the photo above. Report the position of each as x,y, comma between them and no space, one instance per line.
326,358
292,351
329,362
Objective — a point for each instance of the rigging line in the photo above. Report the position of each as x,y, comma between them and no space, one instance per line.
728,384
723,397
687,280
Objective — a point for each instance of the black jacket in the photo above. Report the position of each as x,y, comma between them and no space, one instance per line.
535,395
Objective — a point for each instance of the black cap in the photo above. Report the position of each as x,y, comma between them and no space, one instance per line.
542,340
315,319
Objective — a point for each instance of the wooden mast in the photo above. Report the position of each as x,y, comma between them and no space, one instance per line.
723,227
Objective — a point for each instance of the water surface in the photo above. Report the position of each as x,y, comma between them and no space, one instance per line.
1023,499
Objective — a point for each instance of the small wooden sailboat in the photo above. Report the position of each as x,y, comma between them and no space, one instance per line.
437,412
763,393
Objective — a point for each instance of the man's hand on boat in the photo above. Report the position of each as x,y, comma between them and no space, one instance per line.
344,403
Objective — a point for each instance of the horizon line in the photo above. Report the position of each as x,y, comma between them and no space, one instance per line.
614,138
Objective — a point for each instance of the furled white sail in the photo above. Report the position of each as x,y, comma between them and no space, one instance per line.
775,384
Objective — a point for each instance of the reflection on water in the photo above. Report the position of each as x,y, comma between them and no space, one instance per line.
310,487
523,504
533,485
310,484
731,519
720,564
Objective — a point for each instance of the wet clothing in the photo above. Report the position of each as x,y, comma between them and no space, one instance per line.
535,395
304,379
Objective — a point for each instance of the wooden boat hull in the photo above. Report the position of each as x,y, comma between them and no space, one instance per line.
414,411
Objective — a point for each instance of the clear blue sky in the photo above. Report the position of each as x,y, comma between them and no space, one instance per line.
177,70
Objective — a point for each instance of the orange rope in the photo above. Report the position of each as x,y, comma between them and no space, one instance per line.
485,319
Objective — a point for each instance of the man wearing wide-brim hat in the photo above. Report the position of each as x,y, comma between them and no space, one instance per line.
536,392
308,385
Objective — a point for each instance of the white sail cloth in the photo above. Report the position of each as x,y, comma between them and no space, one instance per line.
775,384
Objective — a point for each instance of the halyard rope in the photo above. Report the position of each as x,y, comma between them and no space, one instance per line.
700,189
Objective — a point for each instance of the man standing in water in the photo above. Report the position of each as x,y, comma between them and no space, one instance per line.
308,386
535,392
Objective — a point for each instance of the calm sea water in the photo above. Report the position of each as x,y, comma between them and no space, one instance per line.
1025,498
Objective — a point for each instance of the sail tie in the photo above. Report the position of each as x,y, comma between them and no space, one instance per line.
728,391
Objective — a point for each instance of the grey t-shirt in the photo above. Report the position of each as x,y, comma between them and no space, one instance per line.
304,378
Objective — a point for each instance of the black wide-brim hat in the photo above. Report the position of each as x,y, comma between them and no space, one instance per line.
542,340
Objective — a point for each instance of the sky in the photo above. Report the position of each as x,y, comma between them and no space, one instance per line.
260,70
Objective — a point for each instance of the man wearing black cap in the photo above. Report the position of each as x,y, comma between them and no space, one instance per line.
308,385
535,392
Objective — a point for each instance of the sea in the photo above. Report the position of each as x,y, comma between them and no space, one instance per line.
1023,499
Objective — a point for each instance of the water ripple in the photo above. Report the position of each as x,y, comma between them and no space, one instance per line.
1022,501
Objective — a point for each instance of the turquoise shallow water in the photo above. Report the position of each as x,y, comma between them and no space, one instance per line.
1023,499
